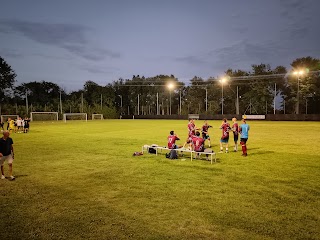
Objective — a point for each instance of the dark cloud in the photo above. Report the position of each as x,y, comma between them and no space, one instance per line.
10,53
71,37
98,70
243,54
193,60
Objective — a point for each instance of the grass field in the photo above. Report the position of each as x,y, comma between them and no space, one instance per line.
79,181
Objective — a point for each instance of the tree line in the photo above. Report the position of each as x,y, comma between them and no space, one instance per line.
242,91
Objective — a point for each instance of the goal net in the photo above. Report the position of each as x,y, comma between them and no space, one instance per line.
75,116
44,116
4,118
97,116
193,116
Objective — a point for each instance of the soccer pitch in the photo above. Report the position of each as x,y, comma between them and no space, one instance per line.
79,180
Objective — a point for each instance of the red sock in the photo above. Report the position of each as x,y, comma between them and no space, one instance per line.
245,149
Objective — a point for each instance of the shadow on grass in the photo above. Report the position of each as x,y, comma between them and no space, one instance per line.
207,167
19,176
261,152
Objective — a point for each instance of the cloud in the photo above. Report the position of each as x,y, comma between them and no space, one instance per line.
244,53
193,60
10,53
71,37
98,70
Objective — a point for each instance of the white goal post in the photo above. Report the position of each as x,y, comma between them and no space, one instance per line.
4,118
75,116
96,116
44,116
193,116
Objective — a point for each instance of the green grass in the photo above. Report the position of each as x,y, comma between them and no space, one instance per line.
79,181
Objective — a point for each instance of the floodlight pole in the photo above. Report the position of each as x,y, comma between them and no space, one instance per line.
138,104
157,103
237,107
60,103
101,101
298,96
222,98
306,105
27,105
82,102
170,102
274,100
180,101
206,99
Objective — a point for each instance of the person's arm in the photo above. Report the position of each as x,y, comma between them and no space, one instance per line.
12,152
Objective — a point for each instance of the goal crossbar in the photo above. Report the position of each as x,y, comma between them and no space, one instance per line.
193,116
43,113
96,114
3,117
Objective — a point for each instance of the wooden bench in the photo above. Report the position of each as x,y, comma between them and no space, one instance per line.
181,150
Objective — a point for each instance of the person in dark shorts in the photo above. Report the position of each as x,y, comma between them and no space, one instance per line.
235,130
225,126
26,125
6,153
244,131
205,132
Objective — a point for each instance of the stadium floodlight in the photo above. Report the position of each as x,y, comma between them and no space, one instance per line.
298,73
75,116
222,81
44,116
170,85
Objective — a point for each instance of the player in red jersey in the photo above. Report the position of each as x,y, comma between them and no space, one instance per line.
205,132
191,132
172,138
235,129
198,142
225,126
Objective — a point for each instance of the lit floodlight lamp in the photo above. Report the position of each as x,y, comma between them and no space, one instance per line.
223,80
170,85
300,72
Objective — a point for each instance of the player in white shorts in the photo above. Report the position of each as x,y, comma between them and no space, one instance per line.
6,153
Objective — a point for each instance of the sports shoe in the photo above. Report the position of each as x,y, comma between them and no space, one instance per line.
220,152
12,177
227,151
3,177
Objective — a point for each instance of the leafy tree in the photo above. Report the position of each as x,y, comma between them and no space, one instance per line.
7,78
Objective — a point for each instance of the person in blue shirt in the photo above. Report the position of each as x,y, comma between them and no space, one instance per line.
244,131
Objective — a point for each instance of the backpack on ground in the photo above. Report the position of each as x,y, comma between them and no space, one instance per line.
173,154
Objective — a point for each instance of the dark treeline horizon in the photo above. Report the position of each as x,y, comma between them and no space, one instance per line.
142,95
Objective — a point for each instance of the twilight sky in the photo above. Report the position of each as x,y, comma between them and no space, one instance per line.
71,41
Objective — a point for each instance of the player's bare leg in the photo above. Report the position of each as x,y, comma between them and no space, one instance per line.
10,171
2,172
227,147
236,146
209,142
221,147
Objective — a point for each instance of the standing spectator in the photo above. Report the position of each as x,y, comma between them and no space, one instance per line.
244,131
6,153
